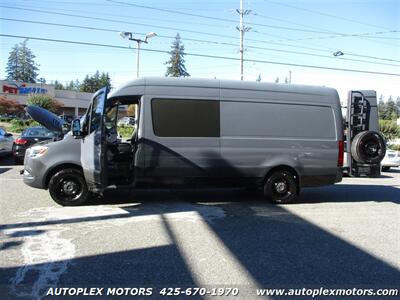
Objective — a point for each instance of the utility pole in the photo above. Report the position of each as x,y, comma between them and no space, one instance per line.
242,29
290,76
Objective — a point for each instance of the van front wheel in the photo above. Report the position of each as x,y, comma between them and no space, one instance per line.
68,187
281,187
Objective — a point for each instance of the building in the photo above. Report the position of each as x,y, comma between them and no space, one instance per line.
74,103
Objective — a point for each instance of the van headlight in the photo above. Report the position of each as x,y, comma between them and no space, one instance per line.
37,151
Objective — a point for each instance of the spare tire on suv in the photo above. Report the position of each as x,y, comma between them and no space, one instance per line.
368,147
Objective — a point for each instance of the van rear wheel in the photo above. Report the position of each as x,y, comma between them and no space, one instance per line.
281,187
68,187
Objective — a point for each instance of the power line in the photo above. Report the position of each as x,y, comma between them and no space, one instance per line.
325,14
189,31
195,40
213,18
223,19
335,34
116,21
202,55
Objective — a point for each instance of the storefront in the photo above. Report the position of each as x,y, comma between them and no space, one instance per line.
74,103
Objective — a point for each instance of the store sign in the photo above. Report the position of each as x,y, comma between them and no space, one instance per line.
23,89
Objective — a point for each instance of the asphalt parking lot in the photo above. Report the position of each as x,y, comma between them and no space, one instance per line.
345,235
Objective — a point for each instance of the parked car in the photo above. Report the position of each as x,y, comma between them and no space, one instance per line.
391,160
67,118
6,142
288,137
29,137
126,121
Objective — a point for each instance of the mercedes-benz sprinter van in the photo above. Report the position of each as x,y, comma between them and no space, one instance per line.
199,132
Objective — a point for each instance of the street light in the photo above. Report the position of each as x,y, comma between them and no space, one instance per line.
128,35
338,53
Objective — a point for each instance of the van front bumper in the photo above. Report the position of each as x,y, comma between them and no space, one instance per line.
34,173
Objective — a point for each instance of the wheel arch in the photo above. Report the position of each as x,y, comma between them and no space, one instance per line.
57,168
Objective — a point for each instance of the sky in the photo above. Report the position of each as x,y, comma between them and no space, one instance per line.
280,32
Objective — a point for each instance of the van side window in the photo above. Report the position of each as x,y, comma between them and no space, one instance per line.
97,112
185,118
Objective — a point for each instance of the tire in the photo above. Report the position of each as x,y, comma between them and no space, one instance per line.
68,187
281,187
385,169
368,147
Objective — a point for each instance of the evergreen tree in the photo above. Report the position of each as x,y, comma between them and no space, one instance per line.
21,65
176,64
58,85
92,83
391,109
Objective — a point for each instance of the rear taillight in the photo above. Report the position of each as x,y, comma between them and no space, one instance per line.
20,141
340,154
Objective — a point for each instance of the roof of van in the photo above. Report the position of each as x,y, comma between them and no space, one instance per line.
137,86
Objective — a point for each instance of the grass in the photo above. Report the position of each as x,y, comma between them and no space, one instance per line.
19,125
126,131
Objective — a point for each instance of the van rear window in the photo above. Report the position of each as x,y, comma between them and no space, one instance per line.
185,118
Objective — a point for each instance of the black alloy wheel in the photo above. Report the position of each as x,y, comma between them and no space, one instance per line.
68,187
281,187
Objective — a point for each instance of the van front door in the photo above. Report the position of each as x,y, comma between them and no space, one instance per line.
93,145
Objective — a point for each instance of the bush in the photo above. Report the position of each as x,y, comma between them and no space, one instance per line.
18,126
389,129
394,147
45,101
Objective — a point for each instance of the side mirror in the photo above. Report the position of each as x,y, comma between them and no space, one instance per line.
76,128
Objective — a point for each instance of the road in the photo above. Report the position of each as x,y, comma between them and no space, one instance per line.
346,236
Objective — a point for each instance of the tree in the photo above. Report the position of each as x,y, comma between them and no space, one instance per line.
389,129
258,78
58,85
398,103
92,83
8,106
176,64
392,111
277,80
382,109
21,65
45,101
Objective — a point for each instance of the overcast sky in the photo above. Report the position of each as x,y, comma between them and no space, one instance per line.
278,29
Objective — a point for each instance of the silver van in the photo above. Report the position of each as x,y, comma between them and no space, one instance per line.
198,132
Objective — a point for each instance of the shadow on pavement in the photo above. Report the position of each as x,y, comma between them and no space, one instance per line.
4,170
7,160
276,247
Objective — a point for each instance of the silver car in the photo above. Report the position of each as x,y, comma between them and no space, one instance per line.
6,142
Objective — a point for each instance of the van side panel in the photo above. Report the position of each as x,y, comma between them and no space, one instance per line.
257,136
